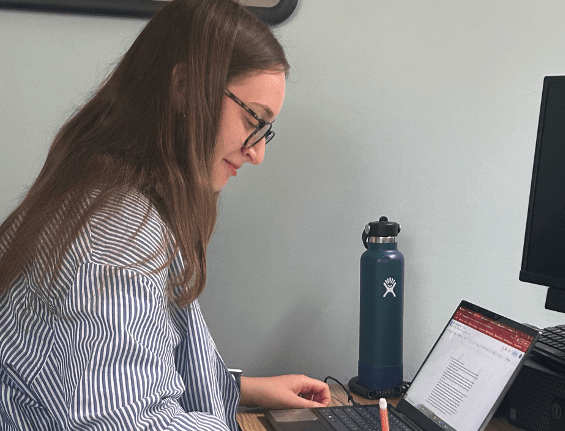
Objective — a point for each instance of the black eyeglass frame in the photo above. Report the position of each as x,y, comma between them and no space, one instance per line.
269,133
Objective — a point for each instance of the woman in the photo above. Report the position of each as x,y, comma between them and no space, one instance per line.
102,262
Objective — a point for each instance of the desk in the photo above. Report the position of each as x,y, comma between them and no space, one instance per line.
254,419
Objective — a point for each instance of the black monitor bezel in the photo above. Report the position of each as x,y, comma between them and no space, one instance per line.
556,292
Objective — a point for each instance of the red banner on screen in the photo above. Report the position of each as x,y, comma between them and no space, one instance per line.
494,329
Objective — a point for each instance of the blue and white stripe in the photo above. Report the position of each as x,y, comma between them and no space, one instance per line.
118,356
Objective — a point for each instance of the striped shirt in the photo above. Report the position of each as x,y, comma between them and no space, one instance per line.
119,355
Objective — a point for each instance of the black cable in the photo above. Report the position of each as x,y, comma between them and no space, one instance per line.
349,396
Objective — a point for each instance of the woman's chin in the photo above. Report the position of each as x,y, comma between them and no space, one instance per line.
218,185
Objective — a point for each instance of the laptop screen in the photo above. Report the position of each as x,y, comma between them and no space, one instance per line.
467,370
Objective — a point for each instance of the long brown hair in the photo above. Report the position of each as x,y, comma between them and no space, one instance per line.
151,127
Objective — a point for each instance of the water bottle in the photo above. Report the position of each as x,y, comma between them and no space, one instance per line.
382,308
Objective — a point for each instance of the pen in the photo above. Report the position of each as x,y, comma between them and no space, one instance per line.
384,414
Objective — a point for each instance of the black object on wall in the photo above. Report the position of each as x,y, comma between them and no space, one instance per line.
134,8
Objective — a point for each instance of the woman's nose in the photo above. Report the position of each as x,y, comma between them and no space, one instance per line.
256,153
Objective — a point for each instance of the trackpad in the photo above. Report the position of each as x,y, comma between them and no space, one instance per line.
296,419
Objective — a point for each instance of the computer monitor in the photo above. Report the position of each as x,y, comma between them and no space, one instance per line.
543,258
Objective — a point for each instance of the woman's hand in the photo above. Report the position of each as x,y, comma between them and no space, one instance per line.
284,392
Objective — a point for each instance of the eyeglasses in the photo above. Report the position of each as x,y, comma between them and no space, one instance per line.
263,128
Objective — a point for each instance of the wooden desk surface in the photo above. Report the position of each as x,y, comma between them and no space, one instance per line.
254,419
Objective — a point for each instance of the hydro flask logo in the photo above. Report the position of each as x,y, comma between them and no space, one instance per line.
556,410
389,285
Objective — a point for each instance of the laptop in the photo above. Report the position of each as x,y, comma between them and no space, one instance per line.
458,387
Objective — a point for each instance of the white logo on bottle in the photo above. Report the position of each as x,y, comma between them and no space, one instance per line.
389,285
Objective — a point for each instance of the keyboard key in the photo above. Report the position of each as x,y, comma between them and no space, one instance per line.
550,350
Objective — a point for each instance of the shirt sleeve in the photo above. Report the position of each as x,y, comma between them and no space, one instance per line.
117,359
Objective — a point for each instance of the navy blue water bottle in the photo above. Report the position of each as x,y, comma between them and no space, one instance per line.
382,308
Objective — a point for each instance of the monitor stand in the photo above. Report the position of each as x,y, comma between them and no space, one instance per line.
555,299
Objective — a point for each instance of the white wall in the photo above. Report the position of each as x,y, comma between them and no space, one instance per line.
422,111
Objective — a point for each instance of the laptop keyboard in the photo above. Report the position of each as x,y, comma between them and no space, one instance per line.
360,418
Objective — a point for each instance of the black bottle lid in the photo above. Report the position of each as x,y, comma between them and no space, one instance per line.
382,229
